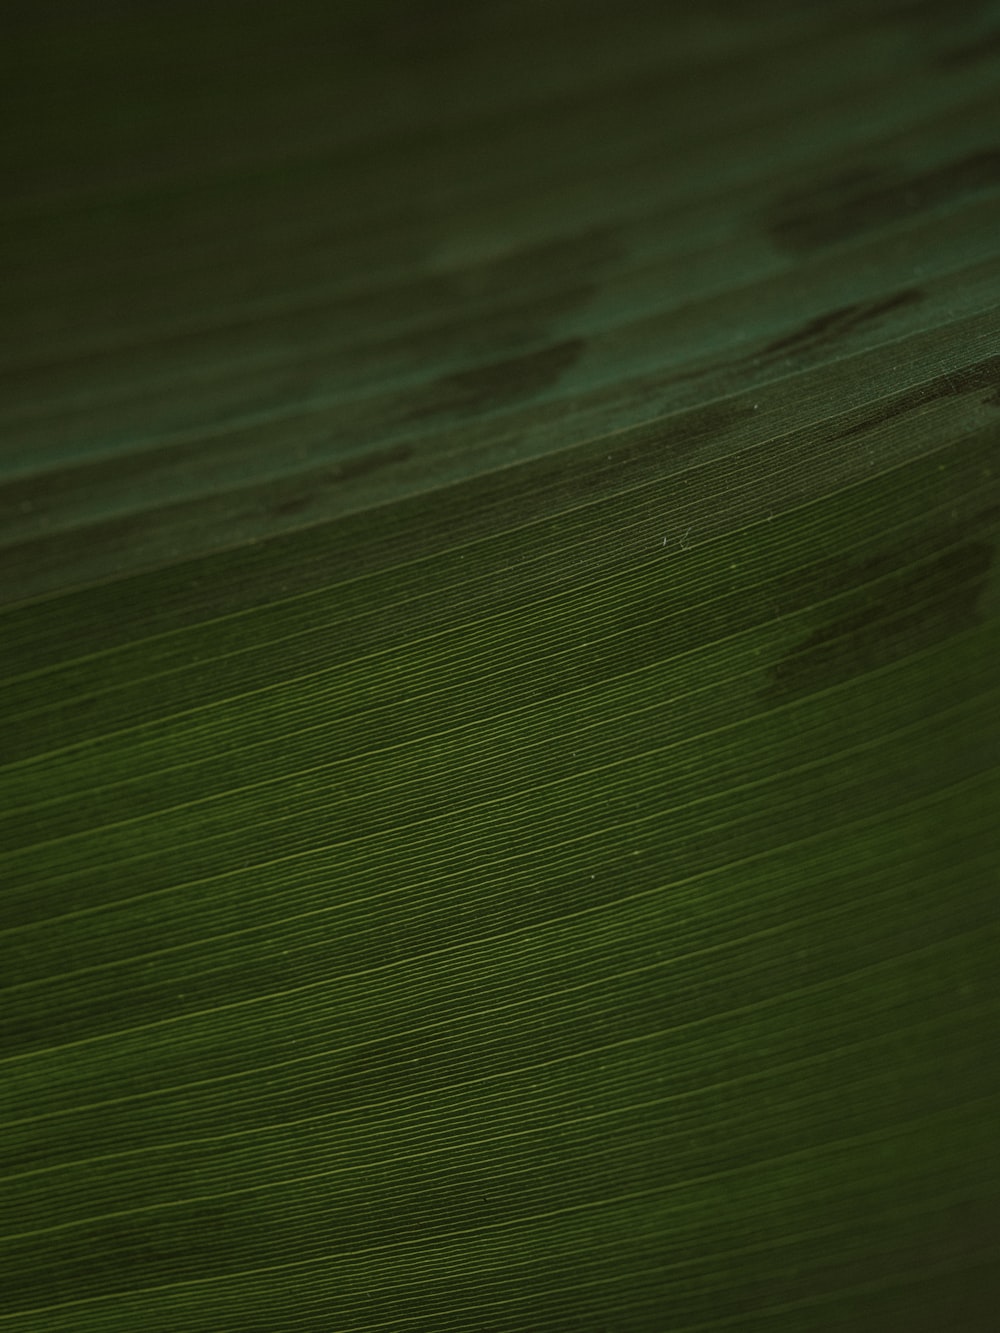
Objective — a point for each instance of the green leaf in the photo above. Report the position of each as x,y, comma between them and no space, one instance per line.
499,636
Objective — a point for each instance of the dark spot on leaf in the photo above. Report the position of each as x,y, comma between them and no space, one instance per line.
499,384
686,433
852,203
889,617
506,303
293,505
981,375
986,47
347,469
350,469
826,329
